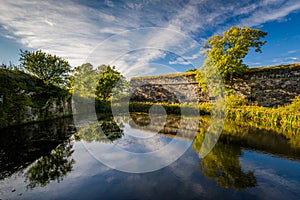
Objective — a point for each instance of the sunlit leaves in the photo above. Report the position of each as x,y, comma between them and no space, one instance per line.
227,51
110,83
100,83
51,69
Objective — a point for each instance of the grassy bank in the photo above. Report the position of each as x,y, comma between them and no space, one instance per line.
284,118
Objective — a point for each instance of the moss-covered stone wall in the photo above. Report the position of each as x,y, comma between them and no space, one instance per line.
25,98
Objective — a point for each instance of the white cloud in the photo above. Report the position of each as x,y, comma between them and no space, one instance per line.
109,3
179,61
56,28
292,51
285,60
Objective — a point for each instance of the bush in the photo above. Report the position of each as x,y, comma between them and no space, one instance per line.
233,101
295,105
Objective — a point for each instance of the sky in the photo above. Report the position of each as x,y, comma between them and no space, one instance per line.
145,37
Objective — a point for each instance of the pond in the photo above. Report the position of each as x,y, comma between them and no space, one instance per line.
58,160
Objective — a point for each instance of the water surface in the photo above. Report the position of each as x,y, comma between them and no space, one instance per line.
54,160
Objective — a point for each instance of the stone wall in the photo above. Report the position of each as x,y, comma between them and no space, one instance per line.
266,86
55,107
172,88
270,86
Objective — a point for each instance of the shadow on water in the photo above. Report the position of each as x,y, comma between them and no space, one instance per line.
51,167
46,148
22,145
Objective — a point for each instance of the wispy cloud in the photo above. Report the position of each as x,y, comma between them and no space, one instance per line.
292,51
180,61
270,11
285,60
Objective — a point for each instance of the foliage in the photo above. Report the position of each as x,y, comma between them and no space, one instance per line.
99,83
265,132
84,80
202,82
283,140
233,101
51,69
274,117
294,107
227,51
208,78
110,83
275,69
237,110
19,90
191,70
10,66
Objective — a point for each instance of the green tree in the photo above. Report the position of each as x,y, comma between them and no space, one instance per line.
227,51
91,85
99,83
110,83
51,69
84,80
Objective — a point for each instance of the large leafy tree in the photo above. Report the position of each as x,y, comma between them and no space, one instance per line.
227,51
84,80
110,83
50,68
100,83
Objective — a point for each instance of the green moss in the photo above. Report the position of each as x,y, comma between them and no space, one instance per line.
274,68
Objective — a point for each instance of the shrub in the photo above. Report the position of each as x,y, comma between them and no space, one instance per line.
233,101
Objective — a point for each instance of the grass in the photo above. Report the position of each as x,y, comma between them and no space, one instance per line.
274,68
283,118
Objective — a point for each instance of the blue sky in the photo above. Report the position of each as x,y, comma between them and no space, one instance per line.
145,37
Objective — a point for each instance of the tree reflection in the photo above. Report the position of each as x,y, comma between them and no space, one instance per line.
105,131
223,164
52,167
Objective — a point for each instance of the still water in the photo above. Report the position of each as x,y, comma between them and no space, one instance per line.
58,160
